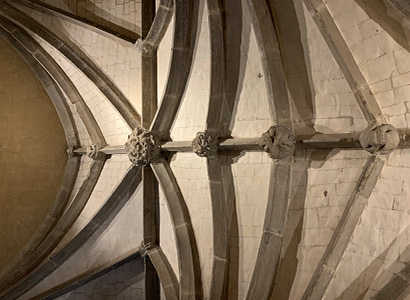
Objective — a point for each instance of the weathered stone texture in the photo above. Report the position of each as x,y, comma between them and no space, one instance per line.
380,139
205,144
142,147
279,142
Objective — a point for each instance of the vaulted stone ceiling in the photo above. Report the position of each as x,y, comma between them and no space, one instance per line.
272,162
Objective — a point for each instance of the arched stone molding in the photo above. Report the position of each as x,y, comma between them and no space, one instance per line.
73,163
186,12
269,254
159,26
189,269
80,59
59,76
31,255
165,272
219,203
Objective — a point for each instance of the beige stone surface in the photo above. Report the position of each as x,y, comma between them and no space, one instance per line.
322,180
32,153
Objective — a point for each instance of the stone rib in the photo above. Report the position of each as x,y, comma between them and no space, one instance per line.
267,261
34,48
186,12
217,81
118,198
344,57
272,63
81,61
150,185
152,38
220,217
341,236
220,222
263,277
189,268
73,163
165,272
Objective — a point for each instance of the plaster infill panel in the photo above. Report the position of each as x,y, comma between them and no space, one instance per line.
250,174
191,117
331,180
251,111
191,174
112,125
335,109
379,246
379,43
114,169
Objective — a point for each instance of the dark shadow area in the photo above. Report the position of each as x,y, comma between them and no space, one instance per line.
355,289
226,160
296,65
286,274
88,10
388,18
379,282
125,281
237,34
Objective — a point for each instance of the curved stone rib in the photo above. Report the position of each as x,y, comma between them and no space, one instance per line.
50,86
186,14
341,236
344,57
79,59
73,163
29,262
34,48
189,269
49,222
165,272
217,82
263,277
31,255
118,198
267,261
272,63
220,221
220,208
158,28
